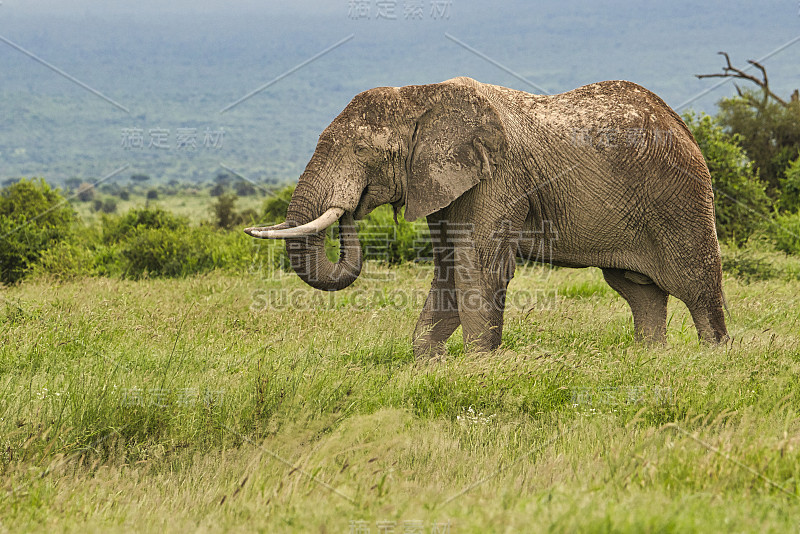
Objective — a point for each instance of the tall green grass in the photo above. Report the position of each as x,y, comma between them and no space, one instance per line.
199,404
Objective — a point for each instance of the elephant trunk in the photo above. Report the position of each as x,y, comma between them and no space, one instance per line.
304,231
309,261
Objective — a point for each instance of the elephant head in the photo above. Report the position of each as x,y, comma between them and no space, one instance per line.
417,146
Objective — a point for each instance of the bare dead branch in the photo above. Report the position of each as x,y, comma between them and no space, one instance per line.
729,71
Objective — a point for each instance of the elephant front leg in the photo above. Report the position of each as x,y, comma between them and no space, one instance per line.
484,257
437,322
473,266
481,303
439,317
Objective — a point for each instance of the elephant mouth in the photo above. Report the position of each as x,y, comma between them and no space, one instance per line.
306,247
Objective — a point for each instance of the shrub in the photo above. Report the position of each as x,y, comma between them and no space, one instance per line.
65,260
740,199
225,212
85,192
33,218
383,240
769,132
785,233
109,206
160,252
116,229
35,200
181,252
275,205
244,189
790,188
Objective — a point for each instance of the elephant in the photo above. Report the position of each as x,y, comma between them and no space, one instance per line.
608,174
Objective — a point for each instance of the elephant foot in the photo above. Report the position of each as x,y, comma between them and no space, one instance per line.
428,350
651,334
433,329
713,337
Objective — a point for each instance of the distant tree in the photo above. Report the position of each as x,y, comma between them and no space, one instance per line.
768,126
10,181
85,192
770,135
217,190
244,189
109,206
224,210
124,194
73,183
140,177
729,71
97,205
152,194
223,178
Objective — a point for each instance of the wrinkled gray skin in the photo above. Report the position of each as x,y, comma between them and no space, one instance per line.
606,175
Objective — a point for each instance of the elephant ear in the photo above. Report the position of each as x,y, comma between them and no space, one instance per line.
457,142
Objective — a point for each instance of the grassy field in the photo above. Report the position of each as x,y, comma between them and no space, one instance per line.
250,402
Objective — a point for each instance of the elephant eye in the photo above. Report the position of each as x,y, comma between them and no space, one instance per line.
362,151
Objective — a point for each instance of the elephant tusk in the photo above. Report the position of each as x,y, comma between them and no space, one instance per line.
284,231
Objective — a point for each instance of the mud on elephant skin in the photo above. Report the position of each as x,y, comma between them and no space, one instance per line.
608,166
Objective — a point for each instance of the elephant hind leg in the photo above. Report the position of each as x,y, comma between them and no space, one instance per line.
709,319
648,303
703,297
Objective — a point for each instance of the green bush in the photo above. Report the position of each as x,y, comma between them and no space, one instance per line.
163,252
748,266
225,213
275,205
116,229
790,188
785,232
33,218
154,242
740,200
383,240
109,206
65,261
769,132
